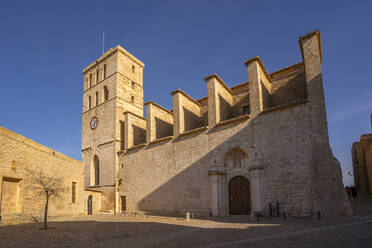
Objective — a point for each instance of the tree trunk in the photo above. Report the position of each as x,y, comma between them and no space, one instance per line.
46,212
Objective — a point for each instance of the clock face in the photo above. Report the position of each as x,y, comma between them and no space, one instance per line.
94,123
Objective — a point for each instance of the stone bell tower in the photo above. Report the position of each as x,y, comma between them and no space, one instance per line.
113,84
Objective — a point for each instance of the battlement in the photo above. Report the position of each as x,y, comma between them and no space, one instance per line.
263,93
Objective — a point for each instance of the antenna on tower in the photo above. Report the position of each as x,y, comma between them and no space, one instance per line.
103,43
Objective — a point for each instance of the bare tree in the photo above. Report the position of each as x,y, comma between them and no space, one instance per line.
42,184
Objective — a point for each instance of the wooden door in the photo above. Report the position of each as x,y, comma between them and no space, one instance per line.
239,196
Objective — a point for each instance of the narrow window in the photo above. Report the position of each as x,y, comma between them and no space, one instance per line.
73,192
90,80
132,99
122,135
89,102
96,170
105,93
96,98
133,69
123,203
97,78
133,84
104,71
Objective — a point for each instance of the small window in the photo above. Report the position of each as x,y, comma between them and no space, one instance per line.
90,80
73,192
104,71
132,99
246,110
133,69
97,78
122,133
96,98
133,84
89,102
105,93
96,170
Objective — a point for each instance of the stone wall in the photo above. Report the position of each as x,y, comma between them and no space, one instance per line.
174,175
361,154
287,157
19,201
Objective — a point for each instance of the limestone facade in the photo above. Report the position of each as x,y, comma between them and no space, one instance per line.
271,131
237,150
361,153
19,202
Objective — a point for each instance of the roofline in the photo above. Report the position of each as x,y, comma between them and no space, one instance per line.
110,52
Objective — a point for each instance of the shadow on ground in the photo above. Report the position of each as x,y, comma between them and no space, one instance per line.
236,231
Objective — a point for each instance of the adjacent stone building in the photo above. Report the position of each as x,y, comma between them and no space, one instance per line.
361,153
20,201
234,151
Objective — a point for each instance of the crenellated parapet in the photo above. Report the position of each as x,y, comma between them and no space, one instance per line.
262,94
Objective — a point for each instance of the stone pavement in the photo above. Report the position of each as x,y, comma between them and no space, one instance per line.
237,231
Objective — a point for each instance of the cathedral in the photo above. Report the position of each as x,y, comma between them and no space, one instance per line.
237,151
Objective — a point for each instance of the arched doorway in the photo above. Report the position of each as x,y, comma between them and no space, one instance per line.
239,195
90,205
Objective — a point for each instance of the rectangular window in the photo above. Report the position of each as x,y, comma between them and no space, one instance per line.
73,192
104,71
122,147
123,203
97,78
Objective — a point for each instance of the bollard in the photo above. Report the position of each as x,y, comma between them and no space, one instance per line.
319,215
187,217
284,216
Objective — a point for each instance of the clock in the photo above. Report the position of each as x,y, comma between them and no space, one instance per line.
94,123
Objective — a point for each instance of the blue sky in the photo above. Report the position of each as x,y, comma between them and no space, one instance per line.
45,45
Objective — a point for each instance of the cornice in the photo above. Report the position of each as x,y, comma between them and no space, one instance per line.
286,69
186,95
117,72
140,117
240,85
199,129
161,140
112,98
233,120
202,99
35,145
157,105
287,105
109,53
136,147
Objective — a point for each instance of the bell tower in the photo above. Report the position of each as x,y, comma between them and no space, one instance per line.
113,84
